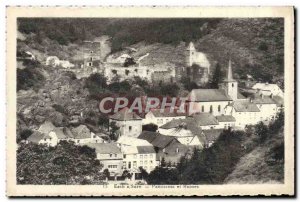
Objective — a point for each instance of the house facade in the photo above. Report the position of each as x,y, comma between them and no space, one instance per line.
110,156
155,116
129,123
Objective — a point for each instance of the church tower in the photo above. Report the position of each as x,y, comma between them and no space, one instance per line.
229,84
190,54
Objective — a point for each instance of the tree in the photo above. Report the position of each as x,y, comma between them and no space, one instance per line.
261,130
144,173
66,163
106,173
216,79
150,127
113,128
126,174
24,134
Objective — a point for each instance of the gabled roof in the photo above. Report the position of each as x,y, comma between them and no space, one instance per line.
161,141
278,100
59,133
36,136
145,149
125,115
245,106
208,95
187,124
165,113
46,127
265,86
68,133
225,118
205,119
148,135
213,134
132,141
81,132
262,99
105,148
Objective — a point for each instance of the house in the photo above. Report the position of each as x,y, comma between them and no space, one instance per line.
129,123
206,121
83,135
52,61
167,147
159,118
110,156
186,131
267,106
211,136
40,138
244,112
226,121
47,134
268,89
137,153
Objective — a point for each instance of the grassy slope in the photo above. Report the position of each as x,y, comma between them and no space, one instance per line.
259,166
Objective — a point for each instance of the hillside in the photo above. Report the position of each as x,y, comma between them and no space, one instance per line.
254,45
264,164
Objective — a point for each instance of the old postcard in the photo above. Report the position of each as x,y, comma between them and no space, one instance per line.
150,101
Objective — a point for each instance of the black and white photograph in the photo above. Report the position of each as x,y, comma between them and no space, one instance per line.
152,102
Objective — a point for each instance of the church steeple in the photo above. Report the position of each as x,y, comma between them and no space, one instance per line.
229,84
229,72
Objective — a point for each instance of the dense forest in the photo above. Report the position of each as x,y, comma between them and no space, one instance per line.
124,32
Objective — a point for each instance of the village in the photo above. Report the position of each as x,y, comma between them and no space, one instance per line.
207,112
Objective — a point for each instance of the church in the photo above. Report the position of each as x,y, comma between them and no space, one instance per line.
214,101
227,100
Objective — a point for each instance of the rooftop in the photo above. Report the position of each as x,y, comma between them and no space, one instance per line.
205,119
125,115
81,132
46,127
208,95
105,148
245,106
225,118
213,134
132,141
165,113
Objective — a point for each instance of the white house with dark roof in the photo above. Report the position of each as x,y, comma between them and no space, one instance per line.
110,156
129,123
244,112
186,131
206,121
137,153
267,106
82,135
268,89
160,117
226,121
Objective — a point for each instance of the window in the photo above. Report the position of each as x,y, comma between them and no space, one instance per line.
151,155
151,162
89,64
177,150
124,156
141,162
134,164
135,156
116,155
78,141
233,85
219,108
211,109
129,164
145,162
130,128
145,156
202,109
110,155
141,156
